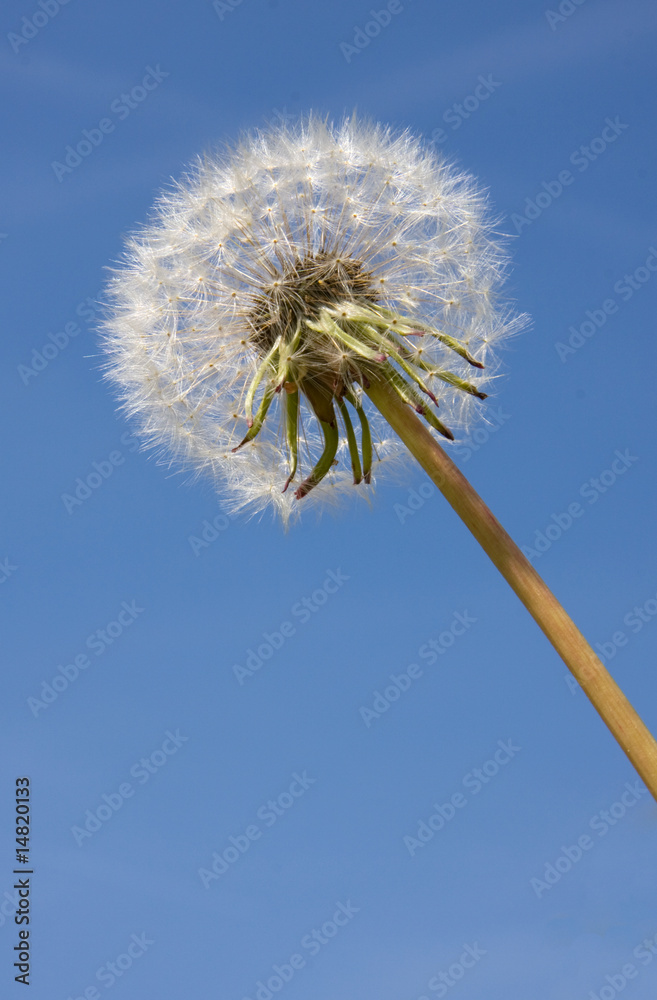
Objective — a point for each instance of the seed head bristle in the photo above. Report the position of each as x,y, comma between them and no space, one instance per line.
276,279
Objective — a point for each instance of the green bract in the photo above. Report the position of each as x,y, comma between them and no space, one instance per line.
348,340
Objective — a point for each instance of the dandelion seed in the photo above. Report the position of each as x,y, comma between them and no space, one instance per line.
258,277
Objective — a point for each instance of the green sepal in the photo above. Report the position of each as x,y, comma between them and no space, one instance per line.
404,323
331,441
292,432
365,435
267,362
259,419
391,346
351,441
457,382
329,327
410,396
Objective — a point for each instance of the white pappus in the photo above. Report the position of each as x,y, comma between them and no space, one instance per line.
276,279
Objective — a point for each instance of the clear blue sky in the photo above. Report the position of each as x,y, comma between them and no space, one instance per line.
151,729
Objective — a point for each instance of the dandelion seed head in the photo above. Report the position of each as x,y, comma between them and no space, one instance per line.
275,279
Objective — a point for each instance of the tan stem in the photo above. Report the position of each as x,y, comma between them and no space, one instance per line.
616,711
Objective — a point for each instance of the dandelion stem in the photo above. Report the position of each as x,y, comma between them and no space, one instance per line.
597,683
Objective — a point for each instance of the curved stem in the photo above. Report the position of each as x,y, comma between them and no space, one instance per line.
616,711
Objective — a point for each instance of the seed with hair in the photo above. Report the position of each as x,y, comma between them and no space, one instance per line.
276,280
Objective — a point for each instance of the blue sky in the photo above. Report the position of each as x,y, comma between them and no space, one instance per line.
152,731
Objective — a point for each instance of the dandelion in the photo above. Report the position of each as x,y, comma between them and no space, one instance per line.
300,296
275,283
